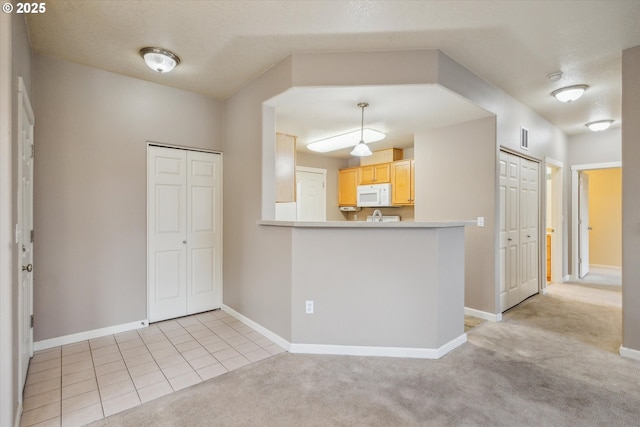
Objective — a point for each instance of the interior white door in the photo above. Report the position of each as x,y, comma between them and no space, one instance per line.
24,235
529,219
166,233
583,224
204,234
311,194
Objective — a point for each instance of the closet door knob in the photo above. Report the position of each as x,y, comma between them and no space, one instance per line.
184,242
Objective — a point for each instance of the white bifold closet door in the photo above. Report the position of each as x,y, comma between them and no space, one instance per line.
184,235
519,219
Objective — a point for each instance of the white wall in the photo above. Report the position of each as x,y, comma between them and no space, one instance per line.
92,129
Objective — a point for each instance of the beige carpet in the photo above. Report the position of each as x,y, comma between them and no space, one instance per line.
552,361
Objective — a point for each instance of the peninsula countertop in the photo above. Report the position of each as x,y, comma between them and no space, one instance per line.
366,224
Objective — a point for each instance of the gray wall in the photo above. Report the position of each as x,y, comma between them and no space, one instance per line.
631,198
257,259
455,179
90,188
595,147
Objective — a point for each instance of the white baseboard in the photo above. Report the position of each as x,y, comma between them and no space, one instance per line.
88,335
629,353
482,314
606,267
347,350
351,350
258,328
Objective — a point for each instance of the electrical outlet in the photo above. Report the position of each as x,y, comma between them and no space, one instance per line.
308,307
480,221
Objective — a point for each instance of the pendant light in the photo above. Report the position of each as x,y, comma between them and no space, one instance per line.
160,60
361,149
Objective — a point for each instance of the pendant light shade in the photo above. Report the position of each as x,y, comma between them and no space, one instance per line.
160,60
361,149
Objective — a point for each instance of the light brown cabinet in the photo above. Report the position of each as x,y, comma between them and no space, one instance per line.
375,174
403,183
285,168
347,185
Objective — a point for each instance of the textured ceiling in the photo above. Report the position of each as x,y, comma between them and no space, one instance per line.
224,44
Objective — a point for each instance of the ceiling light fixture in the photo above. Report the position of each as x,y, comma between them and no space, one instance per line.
599,125
348,139
569,93
160,60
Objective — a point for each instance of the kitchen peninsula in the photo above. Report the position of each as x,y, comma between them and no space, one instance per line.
376,288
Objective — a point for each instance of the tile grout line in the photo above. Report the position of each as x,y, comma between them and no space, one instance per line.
127,367
95,374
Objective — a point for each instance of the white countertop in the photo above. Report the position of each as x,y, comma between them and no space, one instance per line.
367,224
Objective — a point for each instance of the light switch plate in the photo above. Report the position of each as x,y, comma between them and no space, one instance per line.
480,221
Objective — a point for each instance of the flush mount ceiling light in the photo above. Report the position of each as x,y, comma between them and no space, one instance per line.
160,60
599,125
349,139
569,93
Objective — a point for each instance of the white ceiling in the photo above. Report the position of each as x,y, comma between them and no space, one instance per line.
225,44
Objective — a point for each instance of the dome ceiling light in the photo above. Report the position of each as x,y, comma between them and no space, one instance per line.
599,125
569,93
160,60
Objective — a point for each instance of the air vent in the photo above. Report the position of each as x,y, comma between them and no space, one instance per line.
524,138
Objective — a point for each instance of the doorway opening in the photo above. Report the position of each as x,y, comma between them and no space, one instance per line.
553,222
597,224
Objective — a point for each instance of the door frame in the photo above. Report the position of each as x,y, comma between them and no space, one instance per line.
557,208
323,172
24,107
575,170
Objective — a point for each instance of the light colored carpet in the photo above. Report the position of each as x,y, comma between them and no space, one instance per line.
552,361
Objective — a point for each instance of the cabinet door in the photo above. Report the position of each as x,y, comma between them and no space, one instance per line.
347,184
367,175
375,174
401,188
383,173
413,182
285,168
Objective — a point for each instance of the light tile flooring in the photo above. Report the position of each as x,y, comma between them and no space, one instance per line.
82,382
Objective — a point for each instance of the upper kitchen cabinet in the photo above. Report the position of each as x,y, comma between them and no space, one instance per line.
403,183
285,168
347,186
375,174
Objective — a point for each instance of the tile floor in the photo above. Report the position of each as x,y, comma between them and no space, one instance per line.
82,382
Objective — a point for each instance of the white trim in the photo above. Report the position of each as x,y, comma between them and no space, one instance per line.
349,350
629,353
557,237
482,314
8,396
18,417
88,335
352,350
575,169
258,328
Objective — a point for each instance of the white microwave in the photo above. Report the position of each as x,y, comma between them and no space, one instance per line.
374,195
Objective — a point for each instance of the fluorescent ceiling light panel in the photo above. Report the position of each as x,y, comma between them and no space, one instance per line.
345,140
